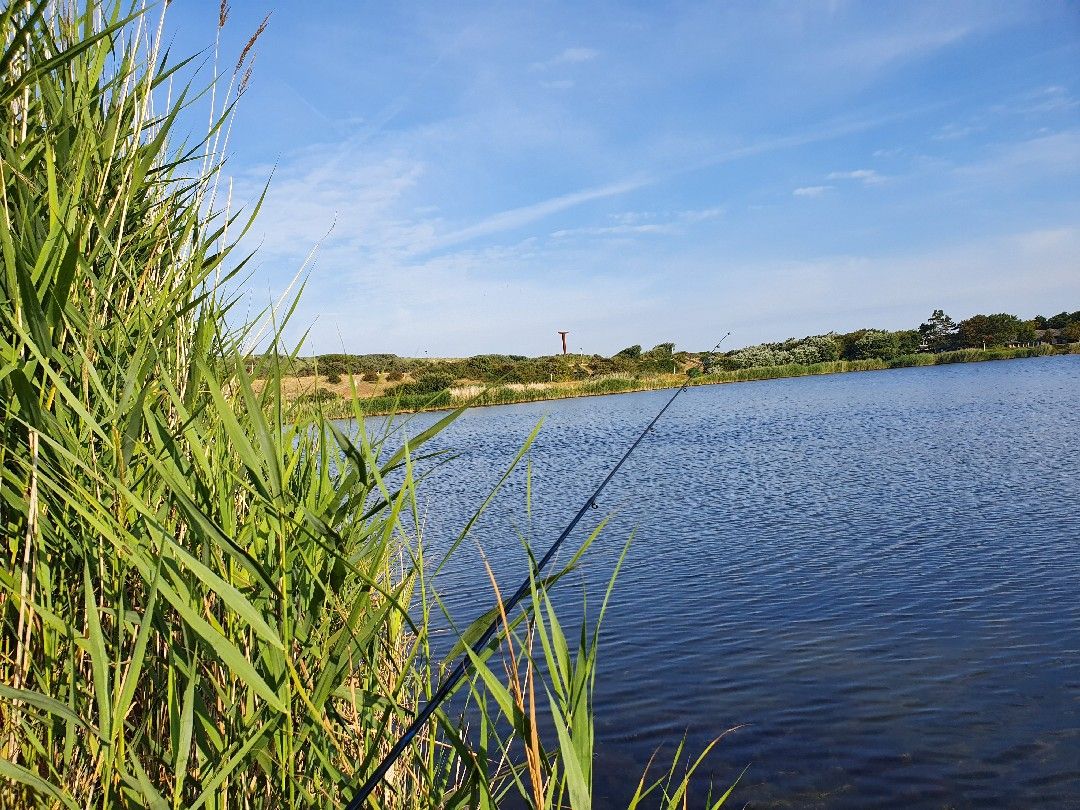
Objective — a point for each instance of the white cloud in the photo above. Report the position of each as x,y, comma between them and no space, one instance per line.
867,177
519,217
617,230
635,223
873,52
700,215
1057,153
829,131
569,56
631,217
810,191
689,216
574,55
955,132
363,201
1045,100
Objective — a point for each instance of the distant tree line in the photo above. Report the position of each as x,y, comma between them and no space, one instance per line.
511,368
939,333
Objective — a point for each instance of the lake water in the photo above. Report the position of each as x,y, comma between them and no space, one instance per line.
876,575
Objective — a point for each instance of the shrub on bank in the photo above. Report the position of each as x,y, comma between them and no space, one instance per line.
390,403
429,383
316,396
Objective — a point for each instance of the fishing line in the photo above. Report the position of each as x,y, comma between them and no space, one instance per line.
462,666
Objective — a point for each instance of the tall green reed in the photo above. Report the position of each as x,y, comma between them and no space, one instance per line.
210,597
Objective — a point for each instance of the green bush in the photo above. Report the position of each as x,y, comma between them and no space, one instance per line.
428,383
405,402
875,344
318,395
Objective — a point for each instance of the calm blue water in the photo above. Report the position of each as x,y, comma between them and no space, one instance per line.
876,575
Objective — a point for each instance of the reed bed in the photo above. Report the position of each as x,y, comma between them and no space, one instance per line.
211,596
789,370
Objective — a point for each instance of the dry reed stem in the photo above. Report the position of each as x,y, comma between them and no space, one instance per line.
512,667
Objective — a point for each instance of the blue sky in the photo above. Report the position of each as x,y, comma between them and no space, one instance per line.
474,177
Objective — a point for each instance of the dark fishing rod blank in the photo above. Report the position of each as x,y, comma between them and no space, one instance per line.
458,672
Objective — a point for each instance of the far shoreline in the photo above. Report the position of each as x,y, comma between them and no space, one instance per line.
505,395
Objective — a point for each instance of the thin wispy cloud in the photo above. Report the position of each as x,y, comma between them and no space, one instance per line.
955,132
639,223
700,215
829,131
518,217
810,191
1053,99
1055,155
569,56
868,177
618,230
876,52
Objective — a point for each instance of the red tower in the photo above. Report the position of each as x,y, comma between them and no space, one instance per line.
564,334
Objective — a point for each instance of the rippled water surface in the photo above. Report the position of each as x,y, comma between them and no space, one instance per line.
876,575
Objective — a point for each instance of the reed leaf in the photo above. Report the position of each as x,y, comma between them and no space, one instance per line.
210,596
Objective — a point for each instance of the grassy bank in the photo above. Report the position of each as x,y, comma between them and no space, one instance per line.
905,361
210,596
514,393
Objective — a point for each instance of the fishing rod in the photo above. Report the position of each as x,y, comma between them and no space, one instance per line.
462,666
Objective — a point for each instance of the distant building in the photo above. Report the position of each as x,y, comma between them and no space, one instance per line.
1052,337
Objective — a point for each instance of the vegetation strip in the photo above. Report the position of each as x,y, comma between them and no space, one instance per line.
510,394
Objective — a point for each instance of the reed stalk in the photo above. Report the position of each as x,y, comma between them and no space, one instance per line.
211,596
